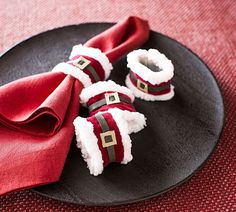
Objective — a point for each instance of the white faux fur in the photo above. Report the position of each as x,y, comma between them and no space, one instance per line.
95,54
87,142
135,58
74,72
136,121
104,86
146,96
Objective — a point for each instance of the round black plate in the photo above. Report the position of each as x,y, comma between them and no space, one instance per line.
181,133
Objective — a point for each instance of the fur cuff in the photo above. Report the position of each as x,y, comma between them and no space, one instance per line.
95,54
74,72
137,58
135,121
101,87
87,142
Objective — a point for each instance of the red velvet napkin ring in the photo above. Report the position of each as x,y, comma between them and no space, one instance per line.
87,64
104,138
104,95
150,75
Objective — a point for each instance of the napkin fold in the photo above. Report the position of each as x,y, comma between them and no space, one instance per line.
37,113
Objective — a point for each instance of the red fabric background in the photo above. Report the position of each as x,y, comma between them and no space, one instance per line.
208,27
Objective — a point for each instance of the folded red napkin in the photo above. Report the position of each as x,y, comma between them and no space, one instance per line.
37,112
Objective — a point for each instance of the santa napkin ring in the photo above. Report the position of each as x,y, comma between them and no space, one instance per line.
150,75
104,137
104,95
87,64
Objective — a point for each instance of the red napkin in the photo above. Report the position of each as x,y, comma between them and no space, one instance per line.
37,113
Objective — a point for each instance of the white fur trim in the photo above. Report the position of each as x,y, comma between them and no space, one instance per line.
135,58
87,142
136,121
127,122
95,54
104,86
146,96
74,72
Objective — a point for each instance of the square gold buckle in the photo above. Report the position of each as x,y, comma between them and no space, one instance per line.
112,98
142,86
81,62
108,138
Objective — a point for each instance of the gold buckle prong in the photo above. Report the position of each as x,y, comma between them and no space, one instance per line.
81,62
108,138
143,86
112,98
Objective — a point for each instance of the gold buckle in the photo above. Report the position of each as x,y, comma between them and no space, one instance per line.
112,98
142,86
81,62
108,138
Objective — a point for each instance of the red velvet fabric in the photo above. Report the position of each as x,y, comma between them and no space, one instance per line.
95,64
151,85
119,148
97,131
36,129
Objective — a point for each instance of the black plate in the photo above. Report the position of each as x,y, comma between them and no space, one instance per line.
181,133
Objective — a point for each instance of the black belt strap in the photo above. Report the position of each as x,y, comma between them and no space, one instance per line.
102,102
90,68
93,72
152,89
105,127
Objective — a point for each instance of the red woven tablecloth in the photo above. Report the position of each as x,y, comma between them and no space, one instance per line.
208,27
